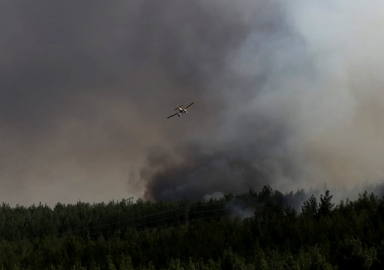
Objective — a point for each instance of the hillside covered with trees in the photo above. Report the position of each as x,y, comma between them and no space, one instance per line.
253,230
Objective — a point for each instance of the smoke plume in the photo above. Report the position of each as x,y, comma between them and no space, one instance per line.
302,106
287,94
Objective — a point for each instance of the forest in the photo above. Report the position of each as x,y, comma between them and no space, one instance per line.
263,229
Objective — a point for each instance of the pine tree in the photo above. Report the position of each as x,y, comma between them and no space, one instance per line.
325,205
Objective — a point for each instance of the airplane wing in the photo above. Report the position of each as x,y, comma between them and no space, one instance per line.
190,105
172,115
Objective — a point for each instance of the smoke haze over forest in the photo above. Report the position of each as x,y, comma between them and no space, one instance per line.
288,93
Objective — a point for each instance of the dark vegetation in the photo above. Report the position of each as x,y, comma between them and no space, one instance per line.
254,230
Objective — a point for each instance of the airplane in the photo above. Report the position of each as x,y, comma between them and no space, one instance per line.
181,110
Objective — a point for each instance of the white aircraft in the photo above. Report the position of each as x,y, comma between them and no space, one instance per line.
181,110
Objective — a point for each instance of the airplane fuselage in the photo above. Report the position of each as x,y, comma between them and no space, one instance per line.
181,111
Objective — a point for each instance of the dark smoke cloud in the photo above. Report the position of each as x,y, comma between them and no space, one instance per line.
86,87
301,102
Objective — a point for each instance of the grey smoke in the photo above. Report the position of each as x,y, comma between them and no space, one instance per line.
303,103
215,196
237,209
287,94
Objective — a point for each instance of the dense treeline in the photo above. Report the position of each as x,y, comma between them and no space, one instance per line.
254,230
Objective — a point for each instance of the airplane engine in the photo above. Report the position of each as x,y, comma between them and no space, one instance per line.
179,114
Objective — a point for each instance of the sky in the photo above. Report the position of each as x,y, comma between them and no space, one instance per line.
288,94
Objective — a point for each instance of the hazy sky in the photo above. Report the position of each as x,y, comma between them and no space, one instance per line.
288,93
